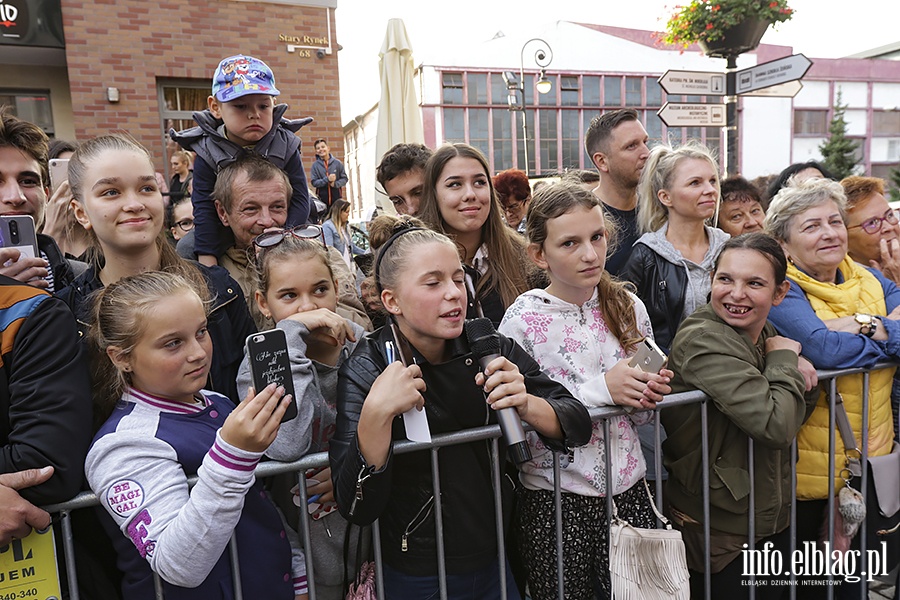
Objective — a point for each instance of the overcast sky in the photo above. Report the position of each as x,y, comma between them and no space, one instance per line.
820,28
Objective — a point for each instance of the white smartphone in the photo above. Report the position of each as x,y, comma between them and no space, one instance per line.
59,172
649,357
17,231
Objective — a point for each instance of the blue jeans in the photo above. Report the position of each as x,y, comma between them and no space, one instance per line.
483,584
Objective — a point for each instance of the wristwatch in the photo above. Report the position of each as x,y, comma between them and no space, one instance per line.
867,324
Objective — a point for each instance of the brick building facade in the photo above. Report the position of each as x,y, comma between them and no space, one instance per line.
140,67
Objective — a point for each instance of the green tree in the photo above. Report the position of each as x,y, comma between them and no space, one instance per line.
894,184
839,151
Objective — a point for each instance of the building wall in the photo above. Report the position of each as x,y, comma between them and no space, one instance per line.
463,98
360,162
131,44
53,79
772,133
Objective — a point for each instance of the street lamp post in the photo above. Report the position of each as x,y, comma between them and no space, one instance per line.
543,56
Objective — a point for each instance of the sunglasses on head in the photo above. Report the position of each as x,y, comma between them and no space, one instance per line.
270,239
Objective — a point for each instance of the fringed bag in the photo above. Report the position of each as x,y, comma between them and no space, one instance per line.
647,564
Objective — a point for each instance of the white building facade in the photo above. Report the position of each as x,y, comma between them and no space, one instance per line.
596,68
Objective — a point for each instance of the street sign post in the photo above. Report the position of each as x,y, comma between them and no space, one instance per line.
782,90
678,114
693,83
776,78
775,72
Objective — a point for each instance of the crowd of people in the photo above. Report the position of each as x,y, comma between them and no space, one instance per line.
125,370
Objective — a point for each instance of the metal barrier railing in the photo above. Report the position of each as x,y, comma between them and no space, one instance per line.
492,433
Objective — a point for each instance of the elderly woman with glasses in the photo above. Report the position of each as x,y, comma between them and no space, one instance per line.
845,315
873,228
873,232
514,193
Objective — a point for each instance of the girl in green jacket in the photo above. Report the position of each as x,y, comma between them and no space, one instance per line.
756,382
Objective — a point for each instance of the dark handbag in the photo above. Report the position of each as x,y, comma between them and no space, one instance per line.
882,491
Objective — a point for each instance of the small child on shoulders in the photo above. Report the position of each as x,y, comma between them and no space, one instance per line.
242,117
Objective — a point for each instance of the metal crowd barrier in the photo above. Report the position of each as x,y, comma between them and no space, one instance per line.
492,433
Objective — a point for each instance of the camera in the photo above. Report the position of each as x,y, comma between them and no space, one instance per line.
320,53
14,232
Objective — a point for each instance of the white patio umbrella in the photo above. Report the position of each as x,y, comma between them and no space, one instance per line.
399,114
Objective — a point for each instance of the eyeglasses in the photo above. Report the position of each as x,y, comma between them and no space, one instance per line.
512,206
185,224
270,239
874,225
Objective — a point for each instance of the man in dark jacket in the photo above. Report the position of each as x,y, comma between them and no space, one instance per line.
45,406
24,188
327,175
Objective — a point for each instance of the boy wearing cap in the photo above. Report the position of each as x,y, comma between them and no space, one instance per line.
242,117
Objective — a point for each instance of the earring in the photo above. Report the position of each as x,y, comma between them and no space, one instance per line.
126,369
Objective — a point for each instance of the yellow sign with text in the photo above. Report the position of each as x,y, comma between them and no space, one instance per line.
28,568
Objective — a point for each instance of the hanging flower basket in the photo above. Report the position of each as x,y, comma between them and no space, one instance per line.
724,27
740,38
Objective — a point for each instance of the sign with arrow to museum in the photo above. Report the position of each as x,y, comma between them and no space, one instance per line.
776,78
677,114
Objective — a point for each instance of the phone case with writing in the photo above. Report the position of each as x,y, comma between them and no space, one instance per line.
270,363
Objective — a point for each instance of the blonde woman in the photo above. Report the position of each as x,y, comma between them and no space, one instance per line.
337,232
671,262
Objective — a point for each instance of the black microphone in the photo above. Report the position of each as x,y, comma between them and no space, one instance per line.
484,341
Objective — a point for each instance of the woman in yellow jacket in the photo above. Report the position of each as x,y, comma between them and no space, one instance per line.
845,315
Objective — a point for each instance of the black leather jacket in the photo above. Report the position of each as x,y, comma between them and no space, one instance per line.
661,285
400,494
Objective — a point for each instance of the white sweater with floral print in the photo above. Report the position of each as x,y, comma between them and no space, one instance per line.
574,346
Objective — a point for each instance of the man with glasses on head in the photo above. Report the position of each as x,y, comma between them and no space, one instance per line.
252,196
514,192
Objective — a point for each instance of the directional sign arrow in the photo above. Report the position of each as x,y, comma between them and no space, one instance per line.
774,72
693,83
677,114
782,90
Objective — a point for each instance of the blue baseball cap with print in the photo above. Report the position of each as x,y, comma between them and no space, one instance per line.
241,75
